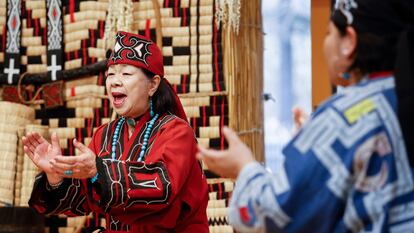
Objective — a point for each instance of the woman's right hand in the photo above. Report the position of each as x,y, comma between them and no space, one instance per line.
41,152
299,118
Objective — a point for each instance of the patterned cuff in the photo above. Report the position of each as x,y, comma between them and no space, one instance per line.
250,170
51,187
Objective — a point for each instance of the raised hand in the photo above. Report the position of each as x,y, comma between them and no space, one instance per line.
227,163
40,151
300,117
81,166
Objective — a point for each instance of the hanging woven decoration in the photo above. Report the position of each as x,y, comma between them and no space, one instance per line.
12,56
54,39
62,62
119,18
228,13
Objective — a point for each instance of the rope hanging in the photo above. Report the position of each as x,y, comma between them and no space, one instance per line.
120,18
228,13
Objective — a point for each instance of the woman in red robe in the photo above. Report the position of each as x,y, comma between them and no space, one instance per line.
140,170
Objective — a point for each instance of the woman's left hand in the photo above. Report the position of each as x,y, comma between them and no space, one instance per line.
81,166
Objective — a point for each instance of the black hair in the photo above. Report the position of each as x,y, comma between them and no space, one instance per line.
163,98
373,53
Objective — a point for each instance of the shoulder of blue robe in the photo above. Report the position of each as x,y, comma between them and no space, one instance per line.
345,161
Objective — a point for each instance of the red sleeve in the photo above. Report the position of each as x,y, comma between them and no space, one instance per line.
69,198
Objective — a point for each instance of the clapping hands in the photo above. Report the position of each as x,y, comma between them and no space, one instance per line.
48,158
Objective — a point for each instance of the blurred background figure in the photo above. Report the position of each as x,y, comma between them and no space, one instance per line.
287,71
350,167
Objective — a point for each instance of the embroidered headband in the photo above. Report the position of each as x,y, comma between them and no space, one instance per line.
378,17
137,50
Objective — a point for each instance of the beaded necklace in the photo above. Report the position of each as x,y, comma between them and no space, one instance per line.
144,143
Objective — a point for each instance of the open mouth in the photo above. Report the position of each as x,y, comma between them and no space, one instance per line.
119,98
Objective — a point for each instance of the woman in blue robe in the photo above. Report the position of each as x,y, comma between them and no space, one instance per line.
350,167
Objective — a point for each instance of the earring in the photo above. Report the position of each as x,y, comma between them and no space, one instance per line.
345,75
151,108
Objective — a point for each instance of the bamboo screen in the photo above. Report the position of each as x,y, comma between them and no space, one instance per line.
216,73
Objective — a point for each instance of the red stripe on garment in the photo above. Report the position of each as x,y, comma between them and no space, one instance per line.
381,74
70,147
29,17
79,135
214,106
176,8
89,127
125,175
221,125
72,91
184,17
76,54
220,191
97,116
184,87
101,29
166,3
114,178
36,27
147,28
92,32
216,69
194,123
72,10
92,43
100,79
85,52
204,116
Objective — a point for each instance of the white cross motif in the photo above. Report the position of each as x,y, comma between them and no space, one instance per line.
54,67
11,71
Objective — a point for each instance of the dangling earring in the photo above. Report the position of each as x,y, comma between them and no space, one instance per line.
151,108
345,75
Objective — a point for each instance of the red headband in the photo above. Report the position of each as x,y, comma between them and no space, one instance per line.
136,50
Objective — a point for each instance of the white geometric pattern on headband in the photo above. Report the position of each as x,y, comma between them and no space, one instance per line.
345,6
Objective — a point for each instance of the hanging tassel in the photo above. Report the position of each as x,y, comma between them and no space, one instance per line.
228,13
118,18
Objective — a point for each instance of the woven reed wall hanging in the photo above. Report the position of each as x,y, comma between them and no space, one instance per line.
57,64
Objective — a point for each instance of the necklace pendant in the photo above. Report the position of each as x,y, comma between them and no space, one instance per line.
131,122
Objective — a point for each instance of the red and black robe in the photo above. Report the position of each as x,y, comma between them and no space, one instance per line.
167,192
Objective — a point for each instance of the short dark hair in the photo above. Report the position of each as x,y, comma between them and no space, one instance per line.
164,98
373,53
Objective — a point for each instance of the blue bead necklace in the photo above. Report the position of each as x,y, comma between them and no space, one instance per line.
115,138
144,143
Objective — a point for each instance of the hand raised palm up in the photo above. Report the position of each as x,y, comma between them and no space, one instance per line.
40,151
